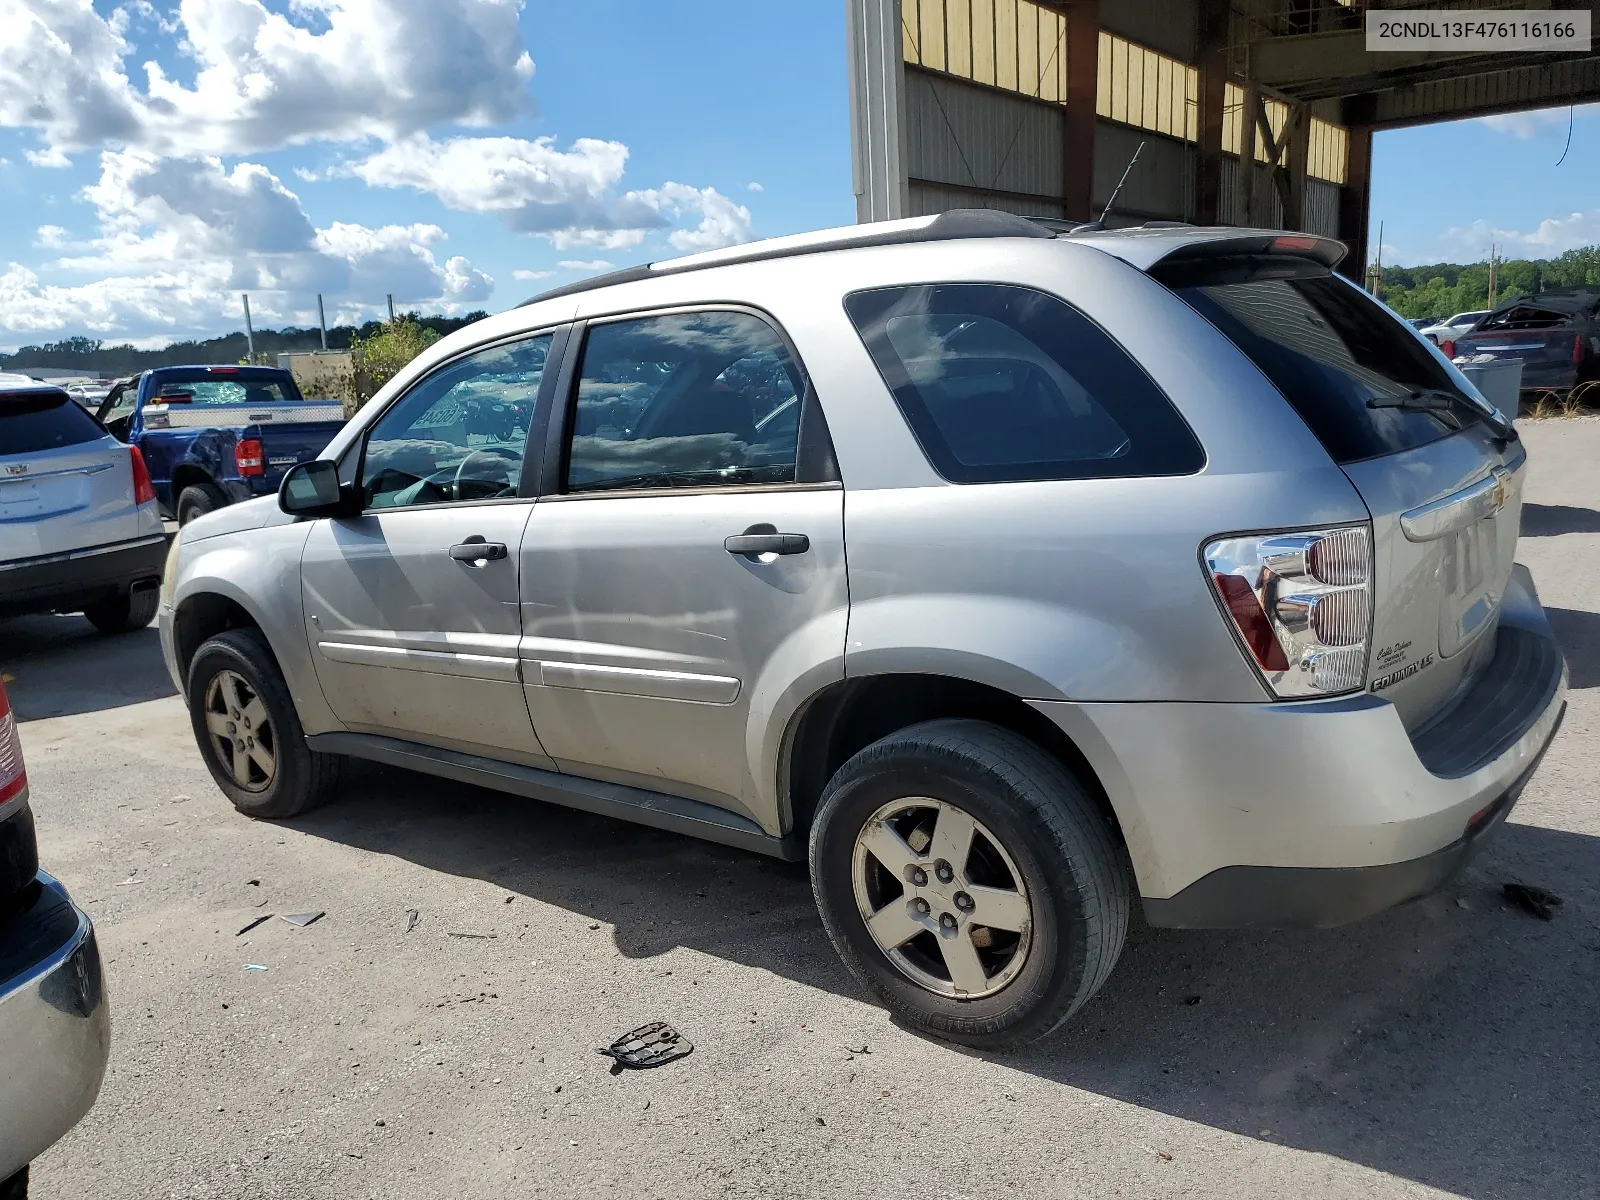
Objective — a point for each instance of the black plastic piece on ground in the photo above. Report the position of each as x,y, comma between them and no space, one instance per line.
647,1046
1535,901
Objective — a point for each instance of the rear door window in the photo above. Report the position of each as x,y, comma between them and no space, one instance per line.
43,420
1007,383
1329,348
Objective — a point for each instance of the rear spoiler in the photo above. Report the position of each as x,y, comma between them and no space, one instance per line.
1327,251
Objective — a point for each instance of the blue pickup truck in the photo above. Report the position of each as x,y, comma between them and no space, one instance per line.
211,436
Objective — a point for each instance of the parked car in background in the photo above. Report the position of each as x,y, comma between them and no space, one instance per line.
79,527
215,435
1445,330
1011,583
1556,335
90,395
55,1024
1421,323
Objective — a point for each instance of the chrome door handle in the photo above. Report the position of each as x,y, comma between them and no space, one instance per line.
765,539
476,550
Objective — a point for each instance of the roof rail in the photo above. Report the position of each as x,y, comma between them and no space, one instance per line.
955,224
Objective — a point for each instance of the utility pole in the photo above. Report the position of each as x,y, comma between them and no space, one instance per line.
249,333
322,321
1375,284
1491,273
391,308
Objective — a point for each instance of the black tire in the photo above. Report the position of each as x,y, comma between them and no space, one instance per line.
302,778
197,500
16,1187
125,613
1063,848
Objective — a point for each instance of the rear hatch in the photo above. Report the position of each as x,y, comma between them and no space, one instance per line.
1442,484
65,483
1550,334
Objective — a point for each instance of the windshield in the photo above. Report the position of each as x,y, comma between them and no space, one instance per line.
1330,349
221,392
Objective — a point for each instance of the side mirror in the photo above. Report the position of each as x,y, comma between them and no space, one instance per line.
312,489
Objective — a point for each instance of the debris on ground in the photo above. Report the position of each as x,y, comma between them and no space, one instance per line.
852,1050
412,917
254,967
303,919
473,935
1460,903
252,883
649,1045
259,920
1535,901
1163,1156
1191,1001
509,899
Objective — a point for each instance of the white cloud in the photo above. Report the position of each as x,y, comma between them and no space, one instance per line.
755,187
1540,121
181,238
308,176
346,70
50,236
527,276
1552,236
565,196
580,264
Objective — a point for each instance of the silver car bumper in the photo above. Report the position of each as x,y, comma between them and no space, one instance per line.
55,1025
1313,814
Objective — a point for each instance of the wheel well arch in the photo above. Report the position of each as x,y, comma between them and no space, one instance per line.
187,475
850,715
202,616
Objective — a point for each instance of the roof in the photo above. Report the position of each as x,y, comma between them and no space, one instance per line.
220,369
1142,247
30,387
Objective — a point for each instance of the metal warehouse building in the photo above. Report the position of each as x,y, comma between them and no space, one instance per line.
1038,107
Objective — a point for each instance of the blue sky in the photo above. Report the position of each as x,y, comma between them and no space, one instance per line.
158,157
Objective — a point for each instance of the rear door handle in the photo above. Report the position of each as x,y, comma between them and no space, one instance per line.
475,549
765,539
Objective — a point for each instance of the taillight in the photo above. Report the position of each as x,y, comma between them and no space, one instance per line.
13,776
1302,605
143,490
248,457
1577,350
1447,348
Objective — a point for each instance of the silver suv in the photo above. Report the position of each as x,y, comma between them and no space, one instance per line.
1013,578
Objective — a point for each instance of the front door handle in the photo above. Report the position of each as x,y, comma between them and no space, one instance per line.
476,550
765,539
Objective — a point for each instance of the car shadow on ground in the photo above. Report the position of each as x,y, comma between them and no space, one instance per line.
1578,631
1450,1042
1550,520
60,665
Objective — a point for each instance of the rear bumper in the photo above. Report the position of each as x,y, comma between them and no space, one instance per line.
55,1025
1313,814
71,580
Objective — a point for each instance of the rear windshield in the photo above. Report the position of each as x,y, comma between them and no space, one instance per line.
35,421
221,392
1329,348
1007,383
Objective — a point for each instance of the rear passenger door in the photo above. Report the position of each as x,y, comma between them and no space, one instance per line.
650,638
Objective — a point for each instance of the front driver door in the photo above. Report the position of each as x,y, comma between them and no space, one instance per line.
411,608
655,649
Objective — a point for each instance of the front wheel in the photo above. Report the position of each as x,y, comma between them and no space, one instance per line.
249,732
969,882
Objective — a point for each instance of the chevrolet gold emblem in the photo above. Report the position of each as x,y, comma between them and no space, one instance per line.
1502,488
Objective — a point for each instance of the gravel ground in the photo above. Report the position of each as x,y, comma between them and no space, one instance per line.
1447,1048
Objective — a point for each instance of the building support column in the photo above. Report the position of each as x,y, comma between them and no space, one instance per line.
1083,89
877,109
1355,198
1212,63
1245,180
1298,133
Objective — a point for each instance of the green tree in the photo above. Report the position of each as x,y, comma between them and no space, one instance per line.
375,358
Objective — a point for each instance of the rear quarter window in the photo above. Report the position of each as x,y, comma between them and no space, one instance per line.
1003,383
34,421
1327,346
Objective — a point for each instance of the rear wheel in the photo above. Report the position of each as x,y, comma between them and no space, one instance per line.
131,610
249,733
969,882
197,500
